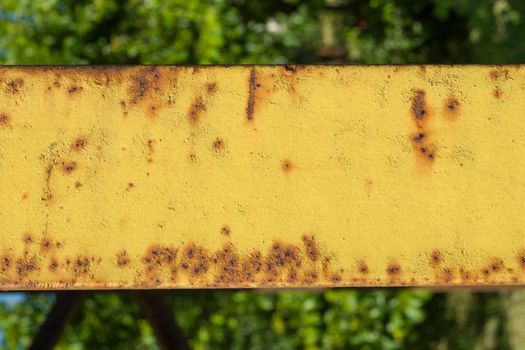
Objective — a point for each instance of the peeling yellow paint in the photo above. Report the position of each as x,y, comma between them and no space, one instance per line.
265,176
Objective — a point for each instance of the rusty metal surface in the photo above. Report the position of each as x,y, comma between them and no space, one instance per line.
270,176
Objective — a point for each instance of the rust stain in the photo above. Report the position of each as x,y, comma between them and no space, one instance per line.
421,140
68,166
436,258
250,108
284,262
499,73
520,257
451,108
362,267
150,150
146,91
46,245
123,258
446,276
80,266
5,262
26,265
5,120
74,89
218,145
465,275
311,247
290,72
14,86
27,238
497,93
225,230
195,260
211,88
196,109
495,266
142,83
53,265
47,195
286,165
79,143
393,269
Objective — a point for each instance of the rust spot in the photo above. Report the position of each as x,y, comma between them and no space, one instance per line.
46,245
73,89
130,186
79,143
284,255
312,250
225,230
159,255
286,165
218,144
436,258
27,238
447,276
451,108
311,277
5,263
14,86
195,260
150,150
419,107
53,265
142,83
521,258
393,269
192,157
47,195
497,93
465,275
336,278
250,108
228,265
362,267
5,120
496,265
292,276
26,265
499,73
290,69
78,184
421,141
123,258
81,265
196,109
68,166
25,195
211,88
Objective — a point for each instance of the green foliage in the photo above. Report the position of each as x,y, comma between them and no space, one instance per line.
334,319
245,31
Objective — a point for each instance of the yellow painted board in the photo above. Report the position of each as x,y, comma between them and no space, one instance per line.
261,176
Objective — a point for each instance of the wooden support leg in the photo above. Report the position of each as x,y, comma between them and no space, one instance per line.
65,307
156,310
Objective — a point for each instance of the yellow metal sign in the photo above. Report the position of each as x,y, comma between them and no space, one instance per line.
265,176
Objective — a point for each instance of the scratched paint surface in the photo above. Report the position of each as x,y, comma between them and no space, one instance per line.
192,177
